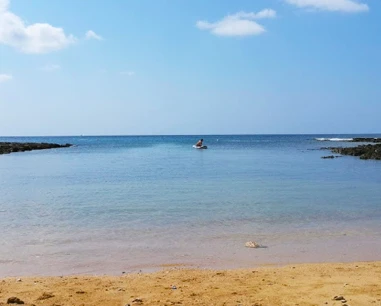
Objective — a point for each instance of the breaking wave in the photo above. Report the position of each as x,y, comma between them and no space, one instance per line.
334,139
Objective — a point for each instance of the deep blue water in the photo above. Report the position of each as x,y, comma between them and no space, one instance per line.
132,201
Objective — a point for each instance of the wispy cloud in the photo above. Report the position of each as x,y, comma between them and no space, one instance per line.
92,35
34,38
51,67
128,73
239,24
5,77
347,6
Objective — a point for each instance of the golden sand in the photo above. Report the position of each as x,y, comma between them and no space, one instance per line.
304,284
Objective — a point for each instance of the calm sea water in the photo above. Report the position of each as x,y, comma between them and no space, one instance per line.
113,204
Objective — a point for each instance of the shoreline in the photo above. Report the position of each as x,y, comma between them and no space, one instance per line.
359,283
347,244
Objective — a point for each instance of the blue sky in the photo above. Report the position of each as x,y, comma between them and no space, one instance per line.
189,67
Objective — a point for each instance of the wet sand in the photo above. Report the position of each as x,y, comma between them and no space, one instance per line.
358,283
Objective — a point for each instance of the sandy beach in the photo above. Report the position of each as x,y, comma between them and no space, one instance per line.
305,284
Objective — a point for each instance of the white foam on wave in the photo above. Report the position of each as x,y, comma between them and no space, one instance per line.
334,139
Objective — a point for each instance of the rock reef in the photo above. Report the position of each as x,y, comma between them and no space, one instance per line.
363,151
361,139
10,147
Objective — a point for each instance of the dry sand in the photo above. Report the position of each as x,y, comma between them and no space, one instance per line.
305,284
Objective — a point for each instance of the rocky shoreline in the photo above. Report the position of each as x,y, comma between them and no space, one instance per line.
363,151
366,151
10,147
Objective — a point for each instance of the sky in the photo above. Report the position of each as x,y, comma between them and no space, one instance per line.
197,67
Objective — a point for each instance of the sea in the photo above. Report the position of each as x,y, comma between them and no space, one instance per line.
124,204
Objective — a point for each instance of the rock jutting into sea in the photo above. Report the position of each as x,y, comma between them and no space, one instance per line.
355,139
361,139
363,151
10,147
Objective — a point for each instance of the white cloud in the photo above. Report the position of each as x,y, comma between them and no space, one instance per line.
4,5
92,35
347,6
128,73
239,24
34,38
5,77
51,67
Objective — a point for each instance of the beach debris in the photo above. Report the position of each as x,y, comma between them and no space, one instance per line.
45,296
139,301
80,292
252,244
173,287
338,298
18,280
14,300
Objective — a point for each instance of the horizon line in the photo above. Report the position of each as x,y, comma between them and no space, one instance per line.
204,135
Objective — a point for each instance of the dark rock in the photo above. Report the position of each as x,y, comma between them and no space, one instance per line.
366,139
14,300
10,147
363,151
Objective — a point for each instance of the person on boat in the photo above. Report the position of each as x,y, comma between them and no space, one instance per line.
199,143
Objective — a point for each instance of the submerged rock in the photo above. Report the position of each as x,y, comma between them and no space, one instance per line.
10,147
331,156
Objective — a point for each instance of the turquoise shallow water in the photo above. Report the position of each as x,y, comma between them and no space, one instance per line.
112,204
